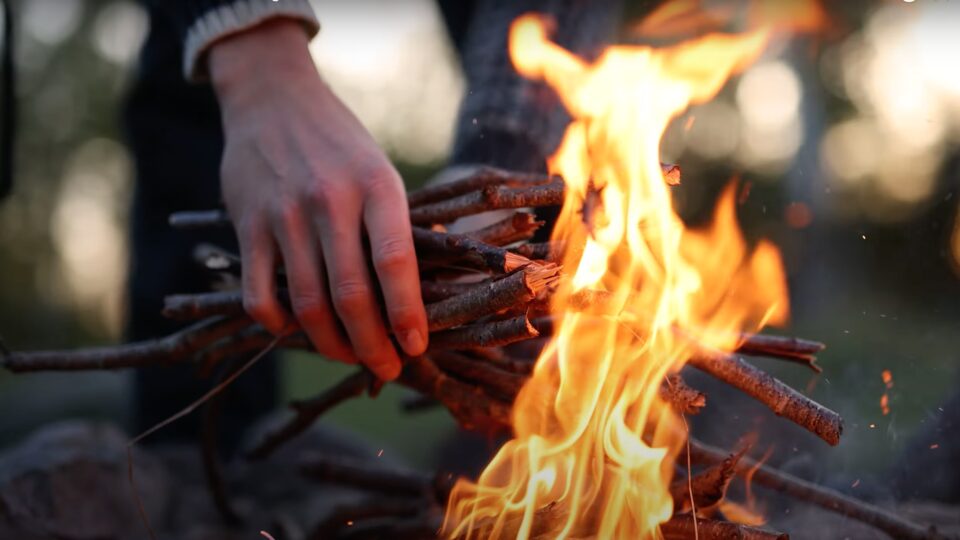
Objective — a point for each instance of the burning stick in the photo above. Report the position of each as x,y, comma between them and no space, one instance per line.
684,527
683,399
707,488
824,497
766,389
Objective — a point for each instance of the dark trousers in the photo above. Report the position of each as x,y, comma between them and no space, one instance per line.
174,132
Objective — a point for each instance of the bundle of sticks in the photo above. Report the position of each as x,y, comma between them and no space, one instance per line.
485,291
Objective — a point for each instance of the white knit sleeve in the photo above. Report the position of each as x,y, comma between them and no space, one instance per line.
237,16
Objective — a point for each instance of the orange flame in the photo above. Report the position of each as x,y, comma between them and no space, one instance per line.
595,447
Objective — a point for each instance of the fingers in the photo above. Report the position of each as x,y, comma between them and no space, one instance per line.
259,289
305,279
394,259
352,292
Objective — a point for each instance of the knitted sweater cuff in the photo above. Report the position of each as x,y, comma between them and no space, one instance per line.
236,16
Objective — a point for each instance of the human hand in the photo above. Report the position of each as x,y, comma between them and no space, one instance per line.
302,179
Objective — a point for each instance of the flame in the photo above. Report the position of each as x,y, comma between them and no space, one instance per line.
595,447
748,513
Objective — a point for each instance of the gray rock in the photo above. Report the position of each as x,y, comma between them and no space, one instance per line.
69,481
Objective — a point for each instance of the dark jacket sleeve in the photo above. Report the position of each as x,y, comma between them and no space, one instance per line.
505,119
199,23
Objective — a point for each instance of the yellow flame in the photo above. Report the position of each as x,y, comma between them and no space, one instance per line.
594,446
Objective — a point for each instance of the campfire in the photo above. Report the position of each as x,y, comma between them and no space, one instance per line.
621,302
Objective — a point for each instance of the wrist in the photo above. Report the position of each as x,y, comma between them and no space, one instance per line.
246,65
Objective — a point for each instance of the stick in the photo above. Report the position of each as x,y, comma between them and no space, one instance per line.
213,392
195,219
780,398
309,410
791,349
479,179
216,258
165,351
683,398
684,527
363,476
420,527
504,384
821,496
433,291
780,347
470,405
209,451
491,334
345,515
190,307
517,227
543,251
517,289
707,488
486,199
478,300
448,248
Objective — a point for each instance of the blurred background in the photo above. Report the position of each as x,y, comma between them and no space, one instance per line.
845,144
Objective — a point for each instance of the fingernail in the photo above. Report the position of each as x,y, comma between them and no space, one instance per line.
388,371
413,342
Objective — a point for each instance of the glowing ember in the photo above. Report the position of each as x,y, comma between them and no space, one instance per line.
595,446
885,398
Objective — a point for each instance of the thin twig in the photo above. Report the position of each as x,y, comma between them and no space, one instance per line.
486,199
780,398
479,179
686,526
504,384
516,227
824,497
209,451
170,350
196,219
463,250
513,290
309,410
490,334
344,516
184,412
469,404
542,251
365,476
680,396
707,488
